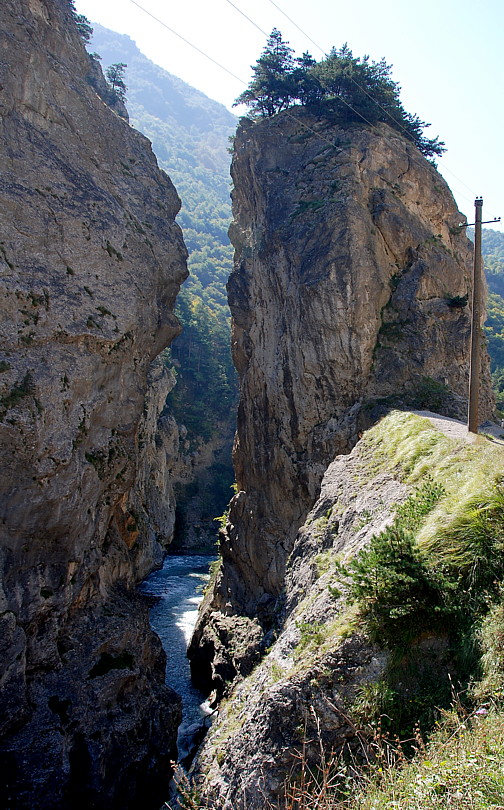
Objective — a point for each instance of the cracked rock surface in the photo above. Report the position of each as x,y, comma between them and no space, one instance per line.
348,267
91,260
349,296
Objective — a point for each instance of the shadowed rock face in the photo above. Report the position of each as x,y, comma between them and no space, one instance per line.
90,263
349,294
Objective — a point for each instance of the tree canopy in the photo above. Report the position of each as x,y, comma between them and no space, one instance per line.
342,86
115,76
84,27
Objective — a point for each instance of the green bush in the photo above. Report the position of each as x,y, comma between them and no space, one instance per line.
399,595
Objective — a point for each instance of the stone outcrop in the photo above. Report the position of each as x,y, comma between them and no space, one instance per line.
90,263
348,296
313,689
313,672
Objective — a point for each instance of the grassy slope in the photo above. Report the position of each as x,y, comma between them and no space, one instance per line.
462,765
406,449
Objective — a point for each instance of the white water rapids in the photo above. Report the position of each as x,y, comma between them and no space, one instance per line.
179,586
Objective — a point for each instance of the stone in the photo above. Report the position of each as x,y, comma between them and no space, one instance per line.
91,261
348,297
310,696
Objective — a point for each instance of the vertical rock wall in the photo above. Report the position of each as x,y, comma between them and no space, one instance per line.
349,295
90,263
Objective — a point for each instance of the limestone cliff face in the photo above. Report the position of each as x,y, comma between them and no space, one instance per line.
349,294
348,265
90,263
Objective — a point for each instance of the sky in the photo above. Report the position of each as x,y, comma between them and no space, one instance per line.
447,55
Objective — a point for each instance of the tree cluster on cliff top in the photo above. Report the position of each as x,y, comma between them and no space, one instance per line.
347,88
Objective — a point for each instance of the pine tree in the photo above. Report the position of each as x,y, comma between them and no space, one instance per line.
269,90
115,77
346,88
84,27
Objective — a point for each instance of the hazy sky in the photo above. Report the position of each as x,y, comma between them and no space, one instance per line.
447,55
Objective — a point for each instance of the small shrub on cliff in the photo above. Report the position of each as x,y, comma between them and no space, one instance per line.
115,76
491,638
84,27
451,581
470,547
399,595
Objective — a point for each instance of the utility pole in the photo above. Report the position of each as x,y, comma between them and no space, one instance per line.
475,364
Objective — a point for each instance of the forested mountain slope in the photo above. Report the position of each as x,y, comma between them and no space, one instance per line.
493,260
189,134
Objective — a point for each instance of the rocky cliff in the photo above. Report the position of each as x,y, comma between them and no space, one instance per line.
324,682
190,138
349,295
90,262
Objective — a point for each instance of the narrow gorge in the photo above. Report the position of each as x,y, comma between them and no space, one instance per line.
350,336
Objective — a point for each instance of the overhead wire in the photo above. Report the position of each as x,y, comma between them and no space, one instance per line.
247,18
363,89
191,45
207,56
298,28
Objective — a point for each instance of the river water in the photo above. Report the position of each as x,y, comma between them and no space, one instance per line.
179,587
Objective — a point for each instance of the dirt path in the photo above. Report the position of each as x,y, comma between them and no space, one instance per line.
458,430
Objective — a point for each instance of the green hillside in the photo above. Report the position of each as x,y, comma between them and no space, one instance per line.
493,259
189,134
492,248
190,137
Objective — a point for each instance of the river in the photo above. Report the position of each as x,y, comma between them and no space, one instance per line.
179,587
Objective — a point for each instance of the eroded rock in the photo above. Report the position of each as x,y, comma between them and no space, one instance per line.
90,263
349,296
318,689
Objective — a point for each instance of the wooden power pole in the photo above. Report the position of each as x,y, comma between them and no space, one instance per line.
475,363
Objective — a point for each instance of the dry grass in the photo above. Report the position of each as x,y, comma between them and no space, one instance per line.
461,768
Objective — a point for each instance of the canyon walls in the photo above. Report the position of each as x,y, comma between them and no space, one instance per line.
349,295
90,262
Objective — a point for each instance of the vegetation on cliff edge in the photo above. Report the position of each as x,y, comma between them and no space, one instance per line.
345,88
437,571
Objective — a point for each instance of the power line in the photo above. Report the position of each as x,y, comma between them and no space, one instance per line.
286,113
298,28
218,64
339,97
352,79
247,18
404,130
195,47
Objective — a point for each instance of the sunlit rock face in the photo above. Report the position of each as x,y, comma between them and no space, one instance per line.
90,263
348,296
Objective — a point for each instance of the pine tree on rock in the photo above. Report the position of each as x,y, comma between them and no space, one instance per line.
342,87
269,91
115,76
